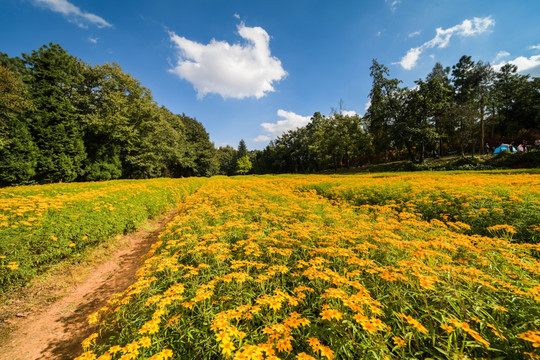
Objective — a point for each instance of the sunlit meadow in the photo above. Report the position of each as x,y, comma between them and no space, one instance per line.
354,267
43,224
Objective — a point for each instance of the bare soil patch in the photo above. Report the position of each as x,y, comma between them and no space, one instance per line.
48,318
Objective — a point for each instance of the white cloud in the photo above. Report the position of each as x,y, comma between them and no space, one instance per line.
534,47
393,4
411,58
368,104
290,121
262,138
232,71
73,13
349,113
413,34
378,33
237,16
500,55
93,40
442,38
523,63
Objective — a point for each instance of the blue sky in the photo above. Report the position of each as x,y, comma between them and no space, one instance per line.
253,69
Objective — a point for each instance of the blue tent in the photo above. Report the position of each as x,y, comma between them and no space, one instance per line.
504,147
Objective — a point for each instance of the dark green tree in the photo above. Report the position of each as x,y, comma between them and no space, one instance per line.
472,83
18,153
440,92
242,149
201,159
227,160
53,80
384,107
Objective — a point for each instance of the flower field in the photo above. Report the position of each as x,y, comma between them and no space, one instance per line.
42,224
506,205
297,268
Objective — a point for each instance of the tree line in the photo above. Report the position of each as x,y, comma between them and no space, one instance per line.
63,120
466,108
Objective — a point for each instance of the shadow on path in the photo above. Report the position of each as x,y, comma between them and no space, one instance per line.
76,324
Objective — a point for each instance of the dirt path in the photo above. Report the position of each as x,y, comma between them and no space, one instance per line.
55,331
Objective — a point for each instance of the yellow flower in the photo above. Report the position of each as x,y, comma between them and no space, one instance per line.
532,336
227,347
415,323
105,356
447,328
304,356
331,314
150,327
86,343
399,342
145,342
88,355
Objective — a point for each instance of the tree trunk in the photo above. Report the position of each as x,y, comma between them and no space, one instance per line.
483,138
410,152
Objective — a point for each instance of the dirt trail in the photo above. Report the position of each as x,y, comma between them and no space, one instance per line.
56,330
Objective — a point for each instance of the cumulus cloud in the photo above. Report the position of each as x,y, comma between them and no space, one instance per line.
232,71
290,121
524,64
413,34
93,40
473,27
73,13
534,47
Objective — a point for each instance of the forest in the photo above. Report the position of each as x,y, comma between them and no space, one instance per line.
63,120
466,109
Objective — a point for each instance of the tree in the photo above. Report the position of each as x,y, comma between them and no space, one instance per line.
384,107
18,153
227,160
110,117
440,92
201,159
53,81
67,120
472,84
243,165
242,149
515,101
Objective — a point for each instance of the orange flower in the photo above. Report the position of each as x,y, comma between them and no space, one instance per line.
331,314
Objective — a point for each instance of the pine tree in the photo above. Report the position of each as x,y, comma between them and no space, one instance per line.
53,79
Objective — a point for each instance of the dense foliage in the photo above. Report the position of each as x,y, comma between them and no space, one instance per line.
63,120
453,110
42,224
265,268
